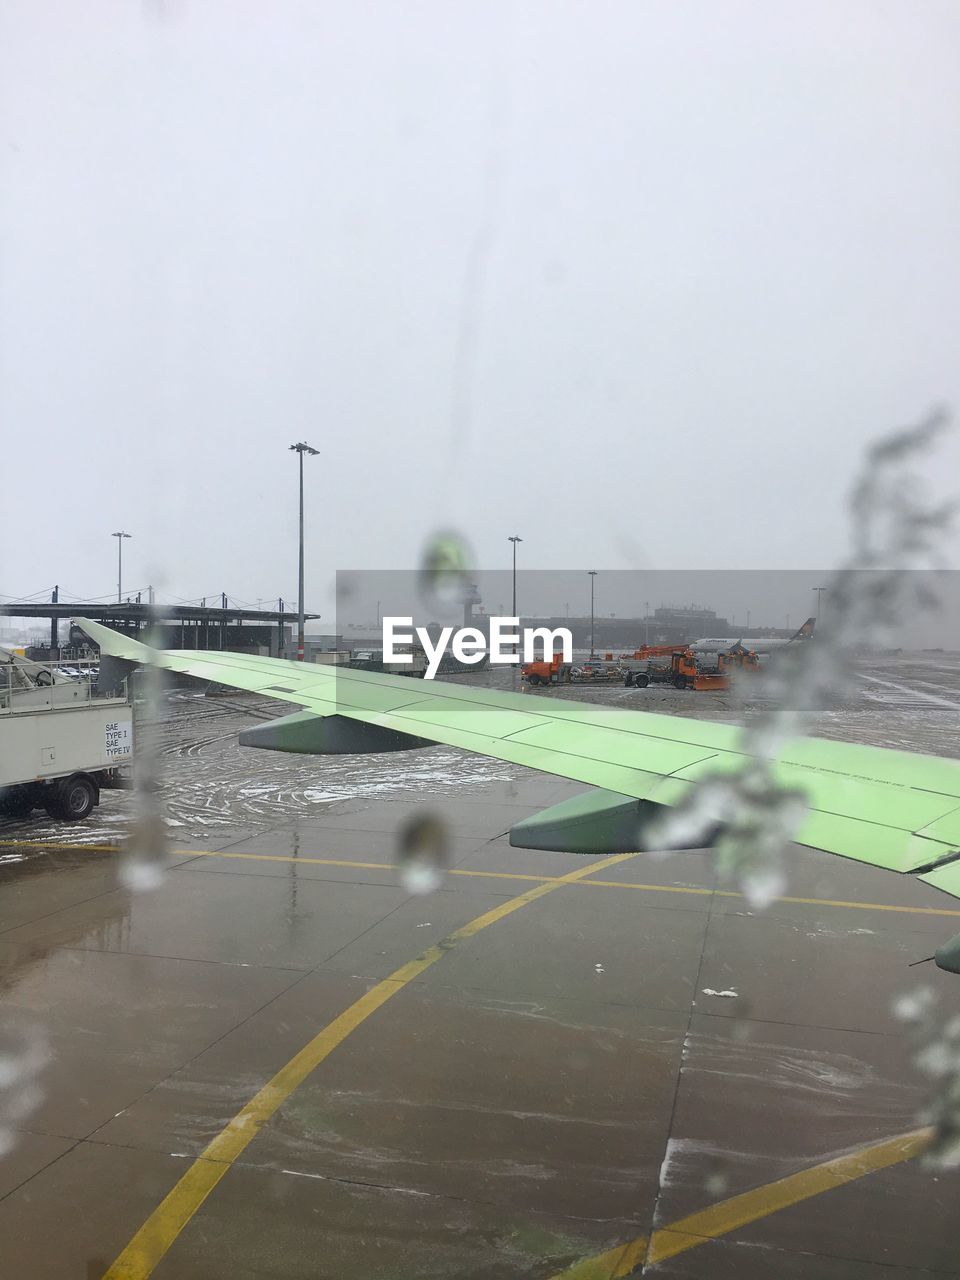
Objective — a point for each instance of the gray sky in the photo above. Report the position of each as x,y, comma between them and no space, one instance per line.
633,280
749,600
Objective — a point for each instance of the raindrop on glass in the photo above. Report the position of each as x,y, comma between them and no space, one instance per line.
423,853
444,570
23,1055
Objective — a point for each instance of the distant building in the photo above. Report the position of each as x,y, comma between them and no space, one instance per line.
666,625
681,624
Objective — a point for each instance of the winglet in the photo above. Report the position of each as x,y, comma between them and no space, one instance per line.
115,644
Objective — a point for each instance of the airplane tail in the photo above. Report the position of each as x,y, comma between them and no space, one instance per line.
806,631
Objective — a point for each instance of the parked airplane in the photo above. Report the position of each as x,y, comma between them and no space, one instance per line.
758,644
891,809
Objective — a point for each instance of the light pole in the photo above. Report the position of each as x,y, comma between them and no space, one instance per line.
120,535
514,539
819,591
301,449
593,574
646,622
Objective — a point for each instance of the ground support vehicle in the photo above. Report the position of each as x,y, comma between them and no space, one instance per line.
636,667
372,660
59,742
684,670
556,671
687,673
596,671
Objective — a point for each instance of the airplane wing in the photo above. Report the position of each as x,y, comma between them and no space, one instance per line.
891,809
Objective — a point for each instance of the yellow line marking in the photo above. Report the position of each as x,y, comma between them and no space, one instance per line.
739,1211
139,1259
61,844
151,1242
586,884
506,875
610,1265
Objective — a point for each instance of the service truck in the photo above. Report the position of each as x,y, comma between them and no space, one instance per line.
557,671
686,671
60,742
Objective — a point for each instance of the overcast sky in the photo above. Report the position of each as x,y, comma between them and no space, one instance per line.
635,281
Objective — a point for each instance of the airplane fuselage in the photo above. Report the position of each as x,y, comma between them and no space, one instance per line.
719,644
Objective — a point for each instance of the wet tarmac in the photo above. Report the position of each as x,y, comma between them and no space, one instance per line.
568,1075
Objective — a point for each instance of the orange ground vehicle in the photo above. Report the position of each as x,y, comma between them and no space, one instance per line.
556,671
650,651
687,675
639,676
739,660
684,671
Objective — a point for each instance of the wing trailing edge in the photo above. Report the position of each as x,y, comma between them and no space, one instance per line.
307,733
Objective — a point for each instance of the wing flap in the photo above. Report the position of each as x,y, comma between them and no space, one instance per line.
945,828
946,878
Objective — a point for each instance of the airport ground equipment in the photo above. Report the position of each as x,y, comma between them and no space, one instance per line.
372,660
367,659
636,666
552,671
595,671
739,660
685,670
556,671
60,742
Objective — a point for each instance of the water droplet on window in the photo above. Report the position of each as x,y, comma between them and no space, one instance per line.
147,845
346,587
423,853
23,1055
443,579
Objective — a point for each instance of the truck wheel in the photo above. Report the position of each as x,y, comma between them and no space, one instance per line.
679,682
74,800
640,680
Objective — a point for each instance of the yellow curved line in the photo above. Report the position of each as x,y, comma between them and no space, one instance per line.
141,1256
720,1219
611,1265
151,1242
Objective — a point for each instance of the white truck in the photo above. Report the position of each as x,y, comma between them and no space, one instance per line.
59,741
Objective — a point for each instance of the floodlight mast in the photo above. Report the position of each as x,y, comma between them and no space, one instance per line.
514,539
593,574
120,535
301,449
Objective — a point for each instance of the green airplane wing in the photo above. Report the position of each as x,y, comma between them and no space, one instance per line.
890,809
